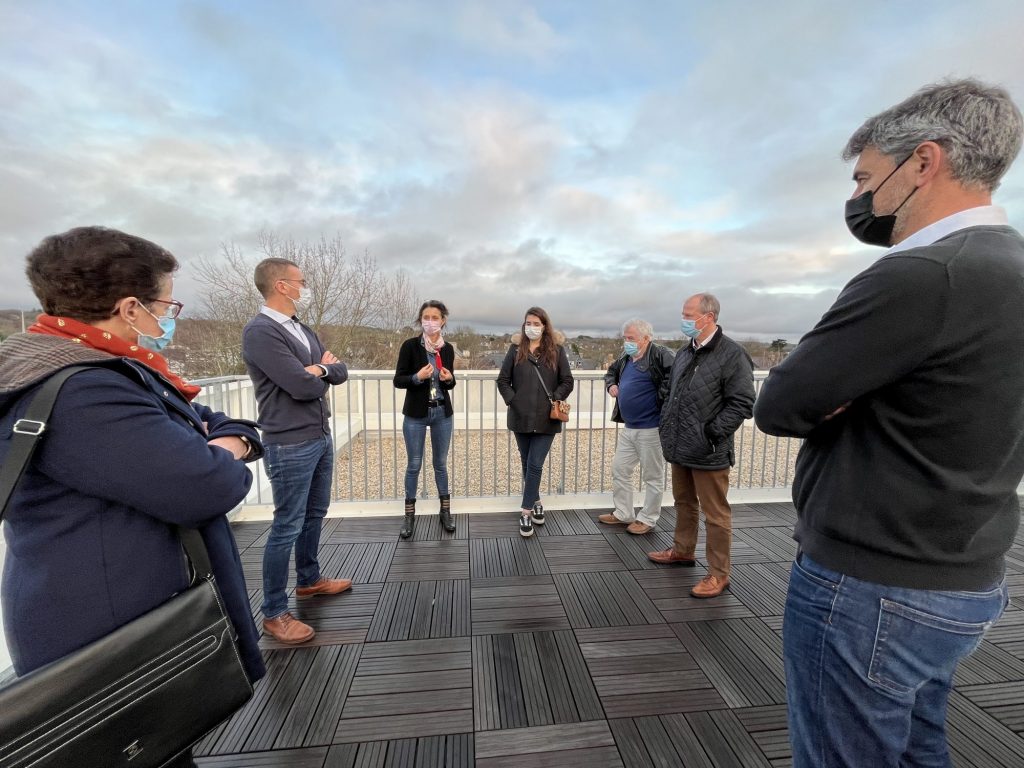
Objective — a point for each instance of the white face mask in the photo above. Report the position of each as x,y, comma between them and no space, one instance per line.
533,332
305,297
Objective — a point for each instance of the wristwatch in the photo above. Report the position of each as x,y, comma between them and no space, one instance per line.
248,447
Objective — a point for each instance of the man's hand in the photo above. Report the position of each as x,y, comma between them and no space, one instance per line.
613,390
329,358
445,374
316,370
425,372
232,444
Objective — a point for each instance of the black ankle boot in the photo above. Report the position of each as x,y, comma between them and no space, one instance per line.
446,513
410,519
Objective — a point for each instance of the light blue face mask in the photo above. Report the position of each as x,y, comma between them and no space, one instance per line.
630,348
157,343
689,328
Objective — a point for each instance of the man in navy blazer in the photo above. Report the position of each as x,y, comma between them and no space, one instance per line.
291,373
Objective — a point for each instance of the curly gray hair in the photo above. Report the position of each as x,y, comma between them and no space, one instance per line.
977,125
640,326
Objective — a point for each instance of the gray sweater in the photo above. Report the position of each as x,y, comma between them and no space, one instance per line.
914,485
292,402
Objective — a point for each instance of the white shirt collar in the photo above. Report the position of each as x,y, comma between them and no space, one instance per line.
273,314
983,215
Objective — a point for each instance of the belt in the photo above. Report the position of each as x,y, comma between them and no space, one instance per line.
435,403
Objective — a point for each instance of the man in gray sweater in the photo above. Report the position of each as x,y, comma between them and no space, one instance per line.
909,394
291,373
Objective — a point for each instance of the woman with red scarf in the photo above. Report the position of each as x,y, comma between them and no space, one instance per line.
424,370
126,457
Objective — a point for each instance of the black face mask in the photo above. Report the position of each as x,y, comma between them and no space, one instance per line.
862,221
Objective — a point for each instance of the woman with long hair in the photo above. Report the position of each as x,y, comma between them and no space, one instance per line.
424,370
535,373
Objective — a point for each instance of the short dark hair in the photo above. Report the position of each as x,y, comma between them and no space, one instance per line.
268,272
84,272
436,304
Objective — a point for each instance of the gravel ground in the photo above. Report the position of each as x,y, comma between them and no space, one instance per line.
486,463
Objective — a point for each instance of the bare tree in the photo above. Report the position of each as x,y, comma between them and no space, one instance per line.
351,298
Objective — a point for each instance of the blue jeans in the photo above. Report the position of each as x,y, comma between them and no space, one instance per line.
533,452
300,479
869,667
415,433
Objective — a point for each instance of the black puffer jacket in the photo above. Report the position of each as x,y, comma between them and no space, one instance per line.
529,409
657,360
712,393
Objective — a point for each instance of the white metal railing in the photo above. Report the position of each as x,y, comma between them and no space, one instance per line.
483,462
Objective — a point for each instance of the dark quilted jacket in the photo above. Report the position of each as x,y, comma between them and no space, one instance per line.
712,393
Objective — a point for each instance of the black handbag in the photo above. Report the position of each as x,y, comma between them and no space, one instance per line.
143,694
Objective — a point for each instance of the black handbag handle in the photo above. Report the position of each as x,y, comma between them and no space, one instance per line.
536,369
25,439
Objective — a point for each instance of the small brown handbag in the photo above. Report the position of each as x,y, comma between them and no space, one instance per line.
559,408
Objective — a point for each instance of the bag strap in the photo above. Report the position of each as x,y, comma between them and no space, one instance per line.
25,439
536,369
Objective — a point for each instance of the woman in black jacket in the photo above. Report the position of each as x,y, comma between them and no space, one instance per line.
534,373
424,369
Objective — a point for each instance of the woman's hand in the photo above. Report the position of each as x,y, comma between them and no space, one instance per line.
425,372
446,375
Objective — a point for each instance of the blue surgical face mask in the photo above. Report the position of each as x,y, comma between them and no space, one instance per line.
157,343
689,328
630,348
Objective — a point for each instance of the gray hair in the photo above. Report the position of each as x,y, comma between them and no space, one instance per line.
640,326
708,303
977,125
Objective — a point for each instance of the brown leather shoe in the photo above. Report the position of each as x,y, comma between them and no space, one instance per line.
324,587
638,528
669,557
287,629
710,586
610,520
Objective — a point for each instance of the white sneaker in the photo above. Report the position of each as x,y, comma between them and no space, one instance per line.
525,526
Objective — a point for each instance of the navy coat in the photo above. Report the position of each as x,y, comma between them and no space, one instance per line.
90,537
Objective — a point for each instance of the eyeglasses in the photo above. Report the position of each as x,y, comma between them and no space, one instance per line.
173,308
288,280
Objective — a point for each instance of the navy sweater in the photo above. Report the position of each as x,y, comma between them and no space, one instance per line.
292,401
915,484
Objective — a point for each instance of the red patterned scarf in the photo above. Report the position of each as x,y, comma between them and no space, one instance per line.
104,341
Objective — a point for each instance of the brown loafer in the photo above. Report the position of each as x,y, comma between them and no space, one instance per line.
638,528
710,586
610,520
669,557
324,587
287,629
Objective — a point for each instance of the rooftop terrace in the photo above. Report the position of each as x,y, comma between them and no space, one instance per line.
567,649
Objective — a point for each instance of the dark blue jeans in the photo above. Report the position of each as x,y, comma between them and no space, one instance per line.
300,478
415,433
869,667
533,452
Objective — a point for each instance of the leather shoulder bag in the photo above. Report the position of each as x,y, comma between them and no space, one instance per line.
559,408
143,694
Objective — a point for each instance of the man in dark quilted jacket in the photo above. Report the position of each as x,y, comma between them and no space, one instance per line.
712,394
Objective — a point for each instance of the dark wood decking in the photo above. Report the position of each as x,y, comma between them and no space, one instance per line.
567,649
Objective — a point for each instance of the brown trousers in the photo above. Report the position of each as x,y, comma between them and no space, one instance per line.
692,491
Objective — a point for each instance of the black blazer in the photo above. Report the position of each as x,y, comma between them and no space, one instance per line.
411,357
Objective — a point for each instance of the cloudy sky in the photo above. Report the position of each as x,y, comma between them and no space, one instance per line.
601,159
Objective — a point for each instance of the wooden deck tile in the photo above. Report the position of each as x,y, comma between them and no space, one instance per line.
430,560
577,554
416,610
492,558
